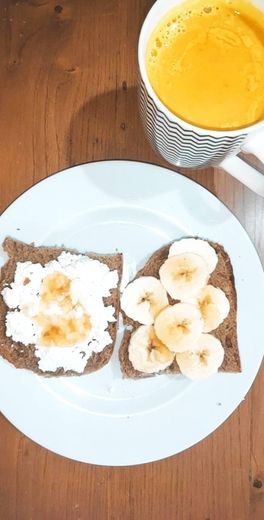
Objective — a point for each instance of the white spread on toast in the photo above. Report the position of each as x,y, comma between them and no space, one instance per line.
180,330
61,303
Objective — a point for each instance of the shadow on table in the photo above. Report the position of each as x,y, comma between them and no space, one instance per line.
108,126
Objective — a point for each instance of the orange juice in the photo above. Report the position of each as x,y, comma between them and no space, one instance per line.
205,61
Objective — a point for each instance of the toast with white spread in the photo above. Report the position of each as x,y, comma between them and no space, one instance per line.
58,309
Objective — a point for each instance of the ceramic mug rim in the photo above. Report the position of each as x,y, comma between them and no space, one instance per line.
144,34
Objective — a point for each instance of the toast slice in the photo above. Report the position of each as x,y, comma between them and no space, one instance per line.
221,277
22,356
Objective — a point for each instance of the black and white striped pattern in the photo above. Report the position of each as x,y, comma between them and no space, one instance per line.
180,146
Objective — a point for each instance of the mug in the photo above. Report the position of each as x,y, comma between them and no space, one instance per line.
188,146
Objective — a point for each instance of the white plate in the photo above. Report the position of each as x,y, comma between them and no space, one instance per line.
135,208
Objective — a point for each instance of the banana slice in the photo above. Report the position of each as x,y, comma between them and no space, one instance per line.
197,246
143,299
147,353
214,307
183,276
179,326
204,360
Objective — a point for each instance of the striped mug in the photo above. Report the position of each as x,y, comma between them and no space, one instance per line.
185,145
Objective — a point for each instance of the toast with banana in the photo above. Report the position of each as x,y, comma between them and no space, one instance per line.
180,313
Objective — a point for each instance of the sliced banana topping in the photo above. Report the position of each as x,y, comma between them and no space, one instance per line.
202,361
143,299
147,353
179,326
214,306
184,275
182,328
197,246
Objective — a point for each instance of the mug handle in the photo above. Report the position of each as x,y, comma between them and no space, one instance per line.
251,177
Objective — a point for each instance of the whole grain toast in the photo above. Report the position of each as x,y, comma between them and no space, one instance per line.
221,277
22,356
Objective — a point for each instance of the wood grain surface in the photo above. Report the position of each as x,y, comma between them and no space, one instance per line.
68,95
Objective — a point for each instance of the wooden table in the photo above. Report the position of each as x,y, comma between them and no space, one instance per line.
69,95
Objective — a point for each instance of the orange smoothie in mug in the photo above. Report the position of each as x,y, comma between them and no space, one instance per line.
205,62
